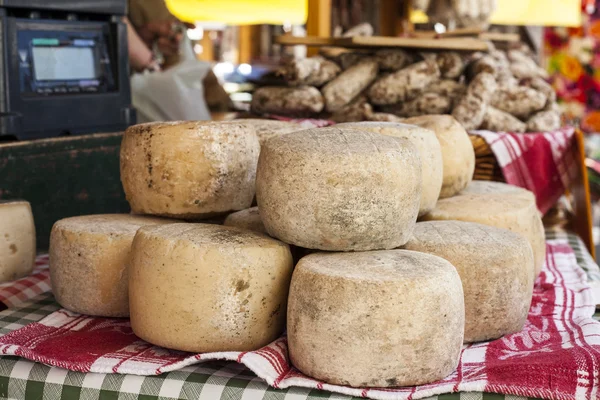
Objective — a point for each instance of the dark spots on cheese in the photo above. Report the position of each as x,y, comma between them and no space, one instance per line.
7,236
13,248
392,381
241,285
276,311
232,237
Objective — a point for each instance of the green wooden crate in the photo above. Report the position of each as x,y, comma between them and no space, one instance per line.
63,177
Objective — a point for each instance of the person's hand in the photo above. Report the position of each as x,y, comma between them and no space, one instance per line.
164,34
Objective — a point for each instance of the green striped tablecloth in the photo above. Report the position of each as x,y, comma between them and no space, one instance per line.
21,379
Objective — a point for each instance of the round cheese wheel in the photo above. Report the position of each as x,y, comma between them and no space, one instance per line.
502,210
268,128
375,319
246,219
491,187
496,270
429,150
189,170
457,151
88,262
206,288
17,240
339,189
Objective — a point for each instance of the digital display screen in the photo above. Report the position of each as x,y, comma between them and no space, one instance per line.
53,63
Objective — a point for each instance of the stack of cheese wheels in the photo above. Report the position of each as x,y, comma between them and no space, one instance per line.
88,262
496,270
17,240
189,170
514,211
429,149
375,319
207,288
457,151
339,189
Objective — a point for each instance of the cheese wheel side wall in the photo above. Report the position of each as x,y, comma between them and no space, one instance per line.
17,240
189,170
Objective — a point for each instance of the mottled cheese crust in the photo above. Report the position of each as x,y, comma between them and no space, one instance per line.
17,240
375,319
429,150
88,262
457,151
502,210
339,189
189,170
246,219
206,288
496,270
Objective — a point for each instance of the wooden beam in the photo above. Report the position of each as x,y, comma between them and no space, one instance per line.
319,21
394,18
249,43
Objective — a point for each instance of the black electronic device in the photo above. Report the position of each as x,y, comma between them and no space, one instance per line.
65,68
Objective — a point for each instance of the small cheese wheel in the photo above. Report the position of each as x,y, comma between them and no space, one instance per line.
246,219
457,151
189,170
375,319
339,189
17,238
496,270
206,288
88,262
491,187
502,210
429,150
268,128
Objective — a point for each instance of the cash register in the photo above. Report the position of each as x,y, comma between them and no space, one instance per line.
65,68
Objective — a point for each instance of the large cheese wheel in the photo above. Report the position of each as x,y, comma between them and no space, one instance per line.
380,318
205,288
268,128
457,151
17,240
88,262
496,270
189,169
246,219
429,149
502,210
339,189
491,187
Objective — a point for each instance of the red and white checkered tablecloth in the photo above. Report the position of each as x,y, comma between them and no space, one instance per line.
15,293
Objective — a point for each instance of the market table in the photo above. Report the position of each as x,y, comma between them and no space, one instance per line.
20,378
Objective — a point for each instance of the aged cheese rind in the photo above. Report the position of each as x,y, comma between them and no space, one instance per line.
265,129
457,151
206,288
375,319
429,150
246,219
17,238
491,187
189,170
502,210
88,262
339,189
496,270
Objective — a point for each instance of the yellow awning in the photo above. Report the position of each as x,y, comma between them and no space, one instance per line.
240,12
530,12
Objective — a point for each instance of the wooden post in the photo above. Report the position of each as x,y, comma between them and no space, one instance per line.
394,18
580,190
249,43
319,21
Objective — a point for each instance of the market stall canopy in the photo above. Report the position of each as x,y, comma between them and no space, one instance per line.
240,12
529,12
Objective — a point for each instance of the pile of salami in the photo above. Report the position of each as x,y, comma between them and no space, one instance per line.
498,91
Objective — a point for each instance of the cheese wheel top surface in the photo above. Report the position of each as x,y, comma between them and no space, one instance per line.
208,234
246,219
268,128
335,142
472,205
373,266
121,224
491,187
